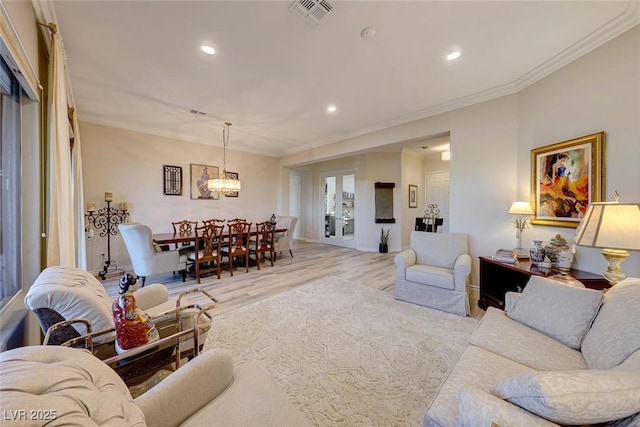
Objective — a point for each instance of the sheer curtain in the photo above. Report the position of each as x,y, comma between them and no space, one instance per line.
61,238
78,193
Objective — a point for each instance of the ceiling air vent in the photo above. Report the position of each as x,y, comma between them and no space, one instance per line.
314,10
196,113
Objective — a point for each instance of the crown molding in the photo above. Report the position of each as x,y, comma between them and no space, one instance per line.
616,26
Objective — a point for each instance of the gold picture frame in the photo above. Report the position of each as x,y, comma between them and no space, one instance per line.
565,178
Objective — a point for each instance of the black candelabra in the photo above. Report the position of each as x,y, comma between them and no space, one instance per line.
106,220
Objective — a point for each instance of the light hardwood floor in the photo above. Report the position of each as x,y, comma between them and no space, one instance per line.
311,261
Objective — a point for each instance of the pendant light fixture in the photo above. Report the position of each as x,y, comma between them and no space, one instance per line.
224,184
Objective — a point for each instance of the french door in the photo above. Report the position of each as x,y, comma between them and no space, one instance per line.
338,208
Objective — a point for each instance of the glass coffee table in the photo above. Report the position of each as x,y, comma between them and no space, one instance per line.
182,332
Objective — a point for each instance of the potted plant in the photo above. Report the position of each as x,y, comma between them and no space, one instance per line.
384,241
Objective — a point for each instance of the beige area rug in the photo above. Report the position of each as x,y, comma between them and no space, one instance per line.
347,354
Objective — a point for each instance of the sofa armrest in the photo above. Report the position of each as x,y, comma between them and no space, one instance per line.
479,408
404,259
151,295
461,271
187,390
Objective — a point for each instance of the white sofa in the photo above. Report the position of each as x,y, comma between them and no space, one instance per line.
434,271
62,386
559,355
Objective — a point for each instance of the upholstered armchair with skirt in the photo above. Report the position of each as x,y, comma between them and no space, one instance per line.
283,240
434,272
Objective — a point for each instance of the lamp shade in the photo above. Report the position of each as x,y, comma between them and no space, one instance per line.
520,208
610,225
224,184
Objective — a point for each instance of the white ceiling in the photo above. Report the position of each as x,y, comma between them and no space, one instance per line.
137,64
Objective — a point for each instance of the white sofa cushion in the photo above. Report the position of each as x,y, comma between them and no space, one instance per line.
515,341
70,385
476,368
563,312
614,334
575,397
432,276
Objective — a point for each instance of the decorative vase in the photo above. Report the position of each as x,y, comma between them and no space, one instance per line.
383,248
556,245
565,259
537,253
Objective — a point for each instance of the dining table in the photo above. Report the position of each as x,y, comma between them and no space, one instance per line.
176,238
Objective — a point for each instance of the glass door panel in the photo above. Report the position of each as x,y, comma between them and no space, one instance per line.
339,209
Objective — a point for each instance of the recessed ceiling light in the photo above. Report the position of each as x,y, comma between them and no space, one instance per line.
453,55
331,108
208,50
368,33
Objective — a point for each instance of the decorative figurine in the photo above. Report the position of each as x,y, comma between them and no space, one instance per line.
133,326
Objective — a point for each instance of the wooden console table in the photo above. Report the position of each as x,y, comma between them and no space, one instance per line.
497,278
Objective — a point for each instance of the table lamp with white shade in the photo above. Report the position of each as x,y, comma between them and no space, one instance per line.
524,211
614,227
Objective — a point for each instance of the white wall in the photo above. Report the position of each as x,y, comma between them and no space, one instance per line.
370,168
491,144
129,164
598,92
412,173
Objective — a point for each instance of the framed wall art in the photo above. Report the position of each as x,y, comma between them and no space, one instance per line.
565,178
172,180
200,175
413,196
233,175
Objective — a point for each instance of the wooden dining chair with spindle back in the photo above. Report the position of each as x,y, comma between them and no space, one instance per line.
237,241
207,259
184,227
263,242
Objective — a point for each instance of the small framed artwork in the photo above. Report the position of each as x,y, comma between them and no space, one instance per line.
200,175
413,196
565,178
172,180
233,175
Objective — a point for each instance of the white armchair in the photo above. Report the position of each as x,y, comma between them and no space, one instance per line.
147,259
64,293
283,240
434,272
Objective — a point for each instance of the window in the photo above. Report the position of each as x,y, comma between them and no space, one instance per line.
10,186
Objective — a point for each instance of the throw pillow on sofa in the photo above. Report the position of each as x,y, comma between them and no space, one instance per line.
574,397
562,312
614,335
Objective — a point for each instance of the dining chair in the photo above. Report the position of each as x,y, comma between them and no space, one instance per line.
238,243
236,220
207,258
263,242
283,240
184,227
